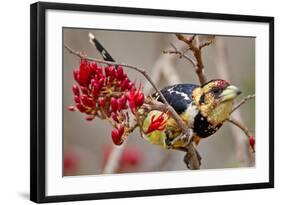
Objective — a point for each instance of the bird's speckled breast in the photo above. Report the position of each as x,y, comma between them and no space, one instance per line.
202,127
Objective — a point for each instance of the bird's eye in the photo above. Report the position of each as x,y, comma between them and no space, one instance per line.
216,91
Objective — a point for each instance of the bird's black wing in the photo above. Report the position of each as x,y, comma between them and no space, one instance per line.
179,96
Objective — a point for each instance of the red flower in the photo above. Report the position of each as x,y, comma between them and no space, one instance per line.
117,135
106,92
71,108
83,75
113,104
75,90
158,124
135,98
102,102
252,142
119,73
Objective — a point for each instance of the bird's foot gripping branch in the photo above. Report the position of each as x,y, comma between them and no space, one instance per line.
176,117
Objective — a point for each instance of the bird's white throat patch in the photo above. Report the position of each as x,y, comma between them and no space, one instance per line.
189,114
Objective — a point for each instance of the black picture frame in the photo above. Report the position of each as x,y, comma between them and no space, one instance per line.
38,100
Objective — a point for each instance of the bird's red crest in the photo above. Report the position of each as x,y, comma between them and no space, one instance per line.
222,84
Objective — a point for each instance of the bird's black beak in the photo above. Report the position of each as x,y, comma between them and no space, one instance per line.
229,93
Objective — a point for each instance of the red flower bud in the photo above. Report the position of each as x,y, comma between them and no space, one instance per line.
84,100
102,102
71,108
89,118
119,73
125,84
84,73
131,85
93,81
114,116
75,90
101,81
93,67
132,92
124,75
123,101
89,102
121,129
116,138
97,85
119,104
76,99
95,92
99,70
113,104
84,90
252,141
132,105
112,71
140,100
80,107
106,70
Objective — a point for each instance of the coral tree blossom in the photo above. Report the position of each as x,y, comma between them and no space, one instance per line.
106,92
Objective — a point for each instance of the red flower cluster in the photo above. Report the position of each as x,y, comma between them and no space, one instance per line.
106,92
157,124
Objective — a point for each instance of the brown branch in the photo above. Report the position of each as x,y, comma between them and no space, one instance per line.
245,129
207,43
245,99
172,112
196,50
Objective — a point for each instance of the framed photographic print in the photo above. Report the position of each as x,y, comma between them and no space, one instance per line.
129,102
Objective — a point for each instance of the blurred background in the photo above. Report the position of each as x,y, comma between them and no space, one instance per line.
87,145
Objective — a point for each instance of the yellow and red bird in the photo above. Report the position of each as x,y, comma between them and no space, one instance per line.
203,109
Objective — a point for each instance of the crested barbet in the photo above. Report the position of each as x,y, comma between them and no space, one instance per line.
202,108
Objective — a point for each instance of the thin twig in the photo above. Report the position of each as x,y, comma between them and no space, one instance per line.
172,112
181,55
245,99
207,43
196,50
245,129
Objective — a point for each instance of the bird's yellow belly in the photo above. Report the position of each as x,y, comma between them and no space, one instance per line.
169,133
